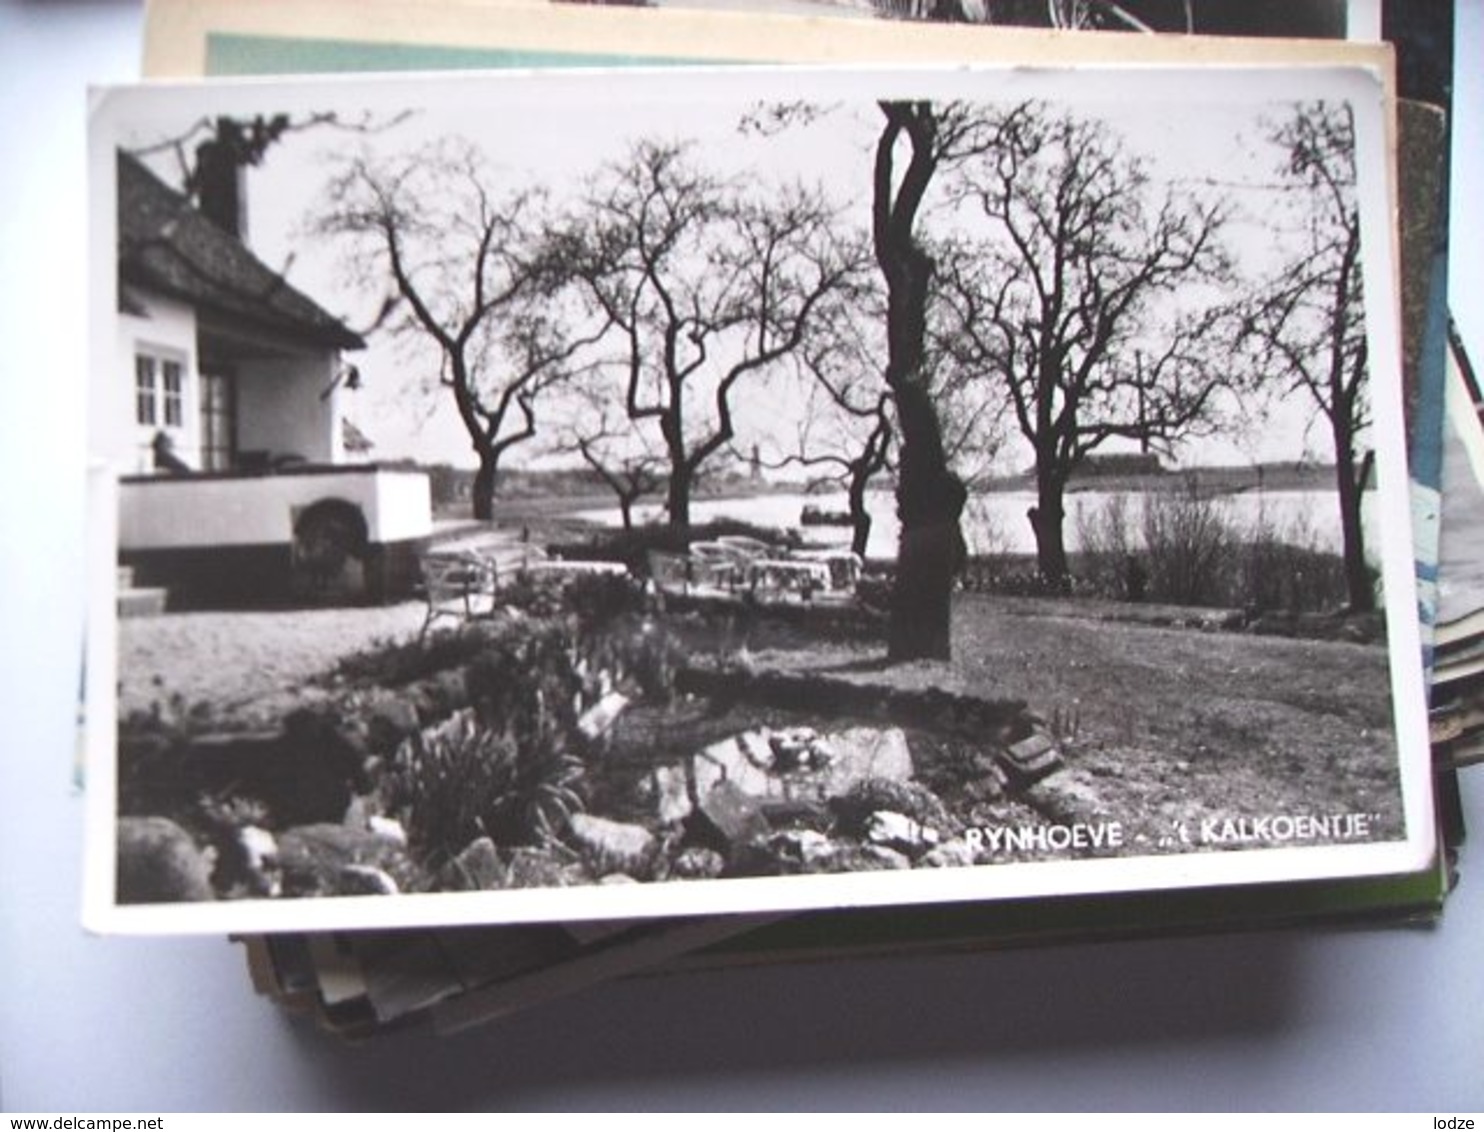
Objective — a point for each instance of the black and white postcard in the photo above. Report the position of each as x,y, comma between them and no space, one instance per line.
668,492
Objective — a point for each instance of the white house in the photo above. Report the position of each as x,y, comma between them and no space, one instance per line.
236,486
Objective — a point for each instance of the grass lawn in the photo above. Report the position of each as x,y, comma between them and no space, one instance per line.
1159,725
1171,724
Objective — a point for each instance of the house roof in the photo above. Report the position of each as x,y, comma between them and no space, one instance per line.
165,244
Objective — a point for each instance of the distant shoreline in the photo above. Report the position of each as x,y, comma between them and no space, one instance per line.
545,506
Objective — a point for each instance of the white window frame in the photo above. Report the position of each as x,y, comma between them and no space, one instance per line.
172,400
146,395
156,404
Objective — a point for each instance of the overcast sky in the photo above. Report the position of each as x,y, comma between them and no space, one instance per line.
554,130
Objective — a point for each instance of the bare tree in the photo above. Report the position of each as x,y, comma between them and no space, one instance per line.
706,287
862,452
621,455
474,281
846,425
1306,329
930,496
1094,299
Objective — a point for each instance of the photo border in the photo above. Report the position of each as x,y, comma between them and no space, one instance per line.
1366,87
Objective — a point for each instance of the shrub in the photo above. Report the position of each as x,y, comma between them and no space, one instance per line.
638,654
173,717
1108,562
535,593
510,766
1013,575
1192,553
465,779
1284,568
1187,538
391,664
154,751
527,681
503,768
593,600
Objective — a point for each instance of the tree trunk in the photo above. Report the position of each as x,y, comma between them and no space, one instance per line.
626,510
930,551
1048,519
860,518
1350,481
930,498
484,487
678,502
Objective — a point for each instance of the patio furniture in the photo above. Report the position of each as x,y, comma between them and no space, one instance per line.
788,576
461,585
671,573
511,557
845,566
747,546
718,565
574,567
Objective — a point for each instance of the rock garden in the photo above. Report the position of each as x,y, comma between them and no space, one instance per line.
583,736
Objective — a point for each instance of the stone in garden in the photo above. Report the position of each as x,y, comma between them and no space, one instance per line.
807,846
388,829
730,817
790,812
867,858
854,755
477,867
330,844
886,858
612,846
259,847
791,747
259,850
993,781
949,855
364,880
758,748
696,862
1066,799
1033,757
899,832
854,808
539,868
312,857
159,862
599,719
671,794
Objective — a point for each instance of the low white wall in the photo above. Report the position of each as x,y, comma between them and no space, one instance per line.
404,507
165,513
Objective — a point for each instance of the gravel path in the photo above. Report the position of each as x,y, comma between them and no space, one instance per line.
228,660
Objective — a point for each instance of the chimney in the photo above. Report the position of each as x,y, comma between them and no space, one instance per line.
221,185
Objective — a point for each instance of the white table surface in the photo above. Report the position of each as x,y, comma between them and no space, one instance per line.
1302,1019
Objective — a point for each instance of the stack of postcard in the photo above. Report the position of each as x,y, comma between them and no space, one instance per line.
556,524
1458,658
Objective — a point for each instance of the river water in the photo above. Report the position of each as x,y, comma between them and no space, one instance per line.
996,522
